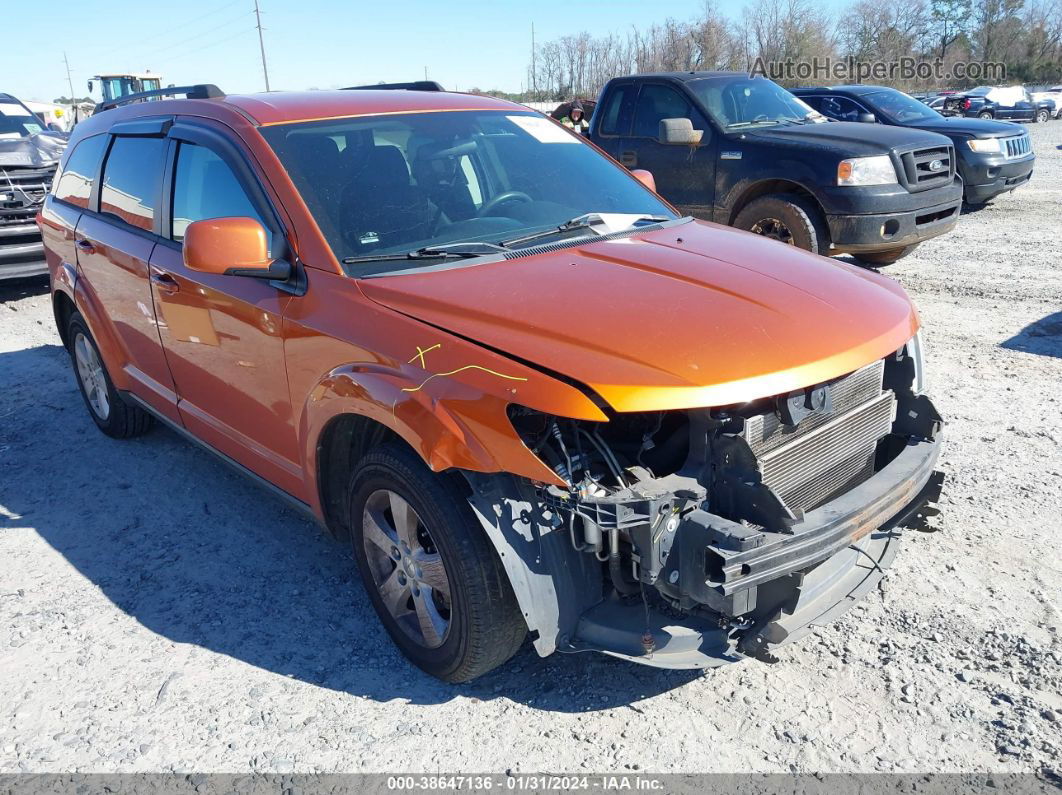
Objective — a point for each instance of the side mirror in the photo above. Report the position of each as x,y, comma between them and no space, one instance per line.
89,88
232,247
866,118
645,177
678,132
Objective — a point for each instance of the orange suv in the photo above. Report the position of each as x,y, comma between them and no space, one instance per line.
532,396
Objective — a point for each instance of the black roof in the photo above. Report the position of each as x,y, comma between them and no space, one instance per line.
855,90
683,77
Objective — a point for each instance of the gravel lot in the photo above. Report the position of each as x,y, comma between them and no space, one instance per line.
159,613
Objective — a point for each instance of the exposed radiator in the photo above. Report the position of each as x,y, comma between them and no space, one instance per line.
826,453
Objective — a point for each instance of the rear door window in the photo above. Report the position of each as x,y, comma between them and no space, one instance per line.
840,108
205,187
132,177
616,115
75,184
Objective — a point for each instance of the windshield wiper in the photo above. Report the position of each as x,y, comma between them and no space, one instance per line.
737,124
469,248
579,222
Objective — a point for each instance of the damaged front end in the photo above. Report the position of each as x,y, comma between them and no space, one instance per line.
690,538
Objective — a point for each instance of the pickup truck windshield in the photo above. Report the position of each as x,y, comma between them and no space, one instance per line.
17,122
387,185
899,108
750,102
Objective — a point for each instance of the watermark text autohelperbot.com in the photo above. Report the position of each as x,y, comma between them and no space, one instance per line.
834,70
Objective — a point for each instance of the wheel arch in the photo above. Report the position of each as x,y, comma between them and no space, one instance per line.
355,408
63,308
767,187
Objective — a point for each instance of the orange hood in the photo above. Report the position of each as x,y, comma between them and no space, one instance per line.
691,315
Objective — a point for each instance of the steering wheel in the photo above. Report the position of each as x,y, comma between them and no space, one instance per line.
503,198
761,117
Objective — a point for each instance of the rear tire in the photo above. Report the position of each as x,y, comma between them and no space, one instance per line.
788,218
984,115
432,575
112,413
879,259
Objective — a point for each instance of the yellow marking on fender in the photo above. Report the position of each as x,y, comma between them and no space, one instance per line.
461,370
421,352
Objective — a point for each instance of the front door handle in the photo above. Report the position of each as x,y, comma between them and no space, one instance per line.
629,158
86,246
164,282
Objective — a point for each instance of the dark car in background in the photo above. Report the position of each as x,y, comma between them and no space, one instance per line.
29,154
1006,104
992,157
743,151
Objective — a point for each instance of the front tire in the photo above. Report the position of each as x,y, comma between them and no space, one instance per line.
1042,116
112,414
431,573
787,218
877,259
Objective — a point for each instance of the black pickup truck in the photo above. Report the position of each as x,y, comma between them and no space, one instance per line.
992,157
743,151
29,154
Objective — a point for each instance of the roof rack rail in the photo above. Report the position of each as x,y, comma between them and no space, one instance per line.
416,85
198,91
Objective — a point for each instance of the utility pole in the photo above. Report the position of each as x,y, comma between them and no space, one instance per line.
534,78
425,73
69,81
261,44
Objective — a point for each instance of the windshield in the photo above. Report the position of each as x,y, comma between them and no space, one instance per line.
16,121
380,185
753,101
899,108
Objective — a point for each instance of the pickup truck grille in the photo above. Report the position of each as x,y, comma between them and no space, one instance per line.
1018,146
826,453
22,191
918,168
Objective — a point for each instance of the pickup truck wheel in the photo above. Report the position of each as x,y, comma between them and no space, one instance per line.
1042,115
788,219
432,575
985,114
880,258
109,410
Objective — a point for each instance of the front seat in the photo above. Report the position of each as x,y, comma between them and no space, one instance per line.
381,208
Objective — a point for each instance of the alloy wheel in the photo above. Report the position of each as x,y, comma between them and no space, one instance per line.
93,380
774,229
406,568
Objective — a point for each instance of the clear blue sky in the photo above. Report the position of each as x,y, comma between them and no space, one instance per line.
309,43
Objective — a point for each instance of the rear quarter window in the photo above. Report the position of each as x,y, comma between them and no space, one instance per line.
74,185
132,176
617,113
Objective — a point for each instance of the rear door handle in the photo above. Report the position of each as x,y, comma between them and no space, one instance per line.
629,158
86,246
164,282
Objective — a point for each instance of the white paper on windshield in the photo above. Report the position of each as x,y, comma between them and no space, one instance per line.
543,130
5,136
615,222
9,109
